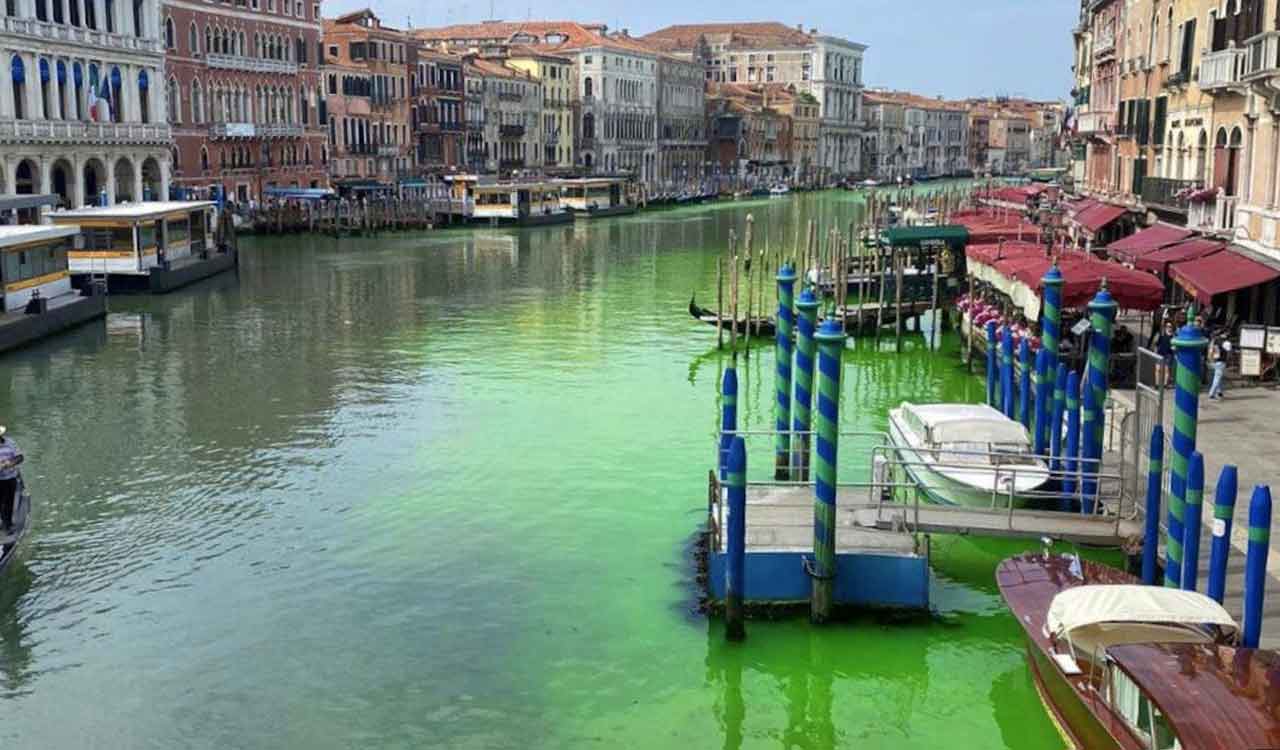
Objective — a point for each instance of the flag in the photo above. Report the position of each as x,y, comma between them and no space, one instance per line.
93,104
104,101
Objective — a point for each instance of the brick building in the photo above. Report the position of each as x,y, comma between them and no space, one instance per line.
242,83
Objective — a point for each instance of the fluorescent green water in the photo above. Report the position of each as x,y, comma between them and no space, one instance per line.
437,491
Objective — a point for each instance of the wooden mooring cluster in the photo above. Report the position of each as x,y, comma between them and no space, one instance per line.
338,217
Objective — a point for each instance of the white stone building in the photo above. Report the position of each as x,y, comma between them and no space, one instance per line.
58,57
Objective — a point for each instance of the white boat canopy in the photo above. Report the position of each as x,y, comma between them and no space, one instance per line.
966,423
1085,606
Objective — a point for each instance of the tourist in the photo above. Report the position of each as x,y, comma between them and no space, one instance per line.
1218,351
10,457
1164,347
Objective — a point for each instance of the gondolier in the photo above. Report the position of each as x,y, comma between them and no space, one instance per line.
10,457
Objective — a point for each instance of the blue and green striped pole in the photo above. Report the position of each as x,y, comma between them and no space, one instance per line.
1102,318
1088,446
1151,529
1051,326
1024,384
806,350
1055,419
736,540
1188,345
1224,509
1044,390
992,370
1255,564
782,392
728,415
1191,515
1006,371
1072,452
827,428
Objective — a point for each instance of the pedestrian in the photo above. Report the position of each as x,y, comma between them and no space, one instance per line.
10,457
1218,352
1164,347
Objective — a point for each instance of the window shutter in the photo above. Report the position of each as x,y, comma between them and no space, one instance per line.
1162,107
1188,46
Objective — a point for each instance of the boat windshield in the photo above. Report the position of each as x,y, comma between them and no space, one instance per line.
1143,717
985,454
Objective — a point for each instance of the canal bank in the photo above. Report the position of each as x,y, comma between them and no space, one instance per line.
437,490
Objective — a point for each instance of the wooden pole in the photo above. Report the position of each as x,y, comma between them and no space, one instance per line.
720,301
937,314
897,300
968,365
881,263
733,294
752,272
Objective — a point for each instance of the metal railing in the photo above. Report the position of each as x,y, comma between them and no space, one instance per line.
1164,192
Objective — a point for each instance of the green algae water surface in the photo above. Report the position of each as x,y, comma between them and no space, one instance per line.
438,490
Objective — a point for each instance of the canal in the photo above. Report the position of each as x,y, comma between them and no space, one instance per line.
438,490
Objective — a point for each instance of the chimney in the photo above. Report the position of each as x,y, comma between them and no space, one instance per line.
813,31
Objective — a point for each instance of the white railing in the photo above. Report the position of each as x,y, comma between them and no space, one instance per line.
280,130
1104,42
251,64
1217,215
1221,69
24,131
232,130
1261,59
60,32
1095,122
388,150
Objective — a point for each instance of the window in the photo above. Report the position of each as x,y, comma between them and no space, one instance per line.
333,50
169,34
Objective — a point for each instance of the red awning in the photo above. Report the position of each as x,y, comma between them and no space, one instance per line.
1158,260
1098,216
992,253
1148,240
988,226
1220,273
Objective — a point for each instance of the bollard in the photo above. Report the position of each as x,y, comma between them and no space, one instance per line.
1255,565
1024,384
1040,431
728,415
1224,508
806,348
1051,325
1088,445
992,399
1188,345
1072,451
1151,531
827,428
1055,418
1102,317
736,541
782,367
1191,514
1006,371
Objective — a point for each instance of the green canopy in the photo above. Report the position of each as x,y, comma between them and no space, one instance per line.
951,234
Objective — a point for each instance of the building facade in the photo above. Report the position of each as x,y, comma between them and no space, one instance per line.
511,103
556,76
682,138
82,108
438,117
243,93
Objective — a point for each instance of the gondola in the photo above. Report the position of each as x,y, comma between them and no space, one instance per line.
21,511
759,326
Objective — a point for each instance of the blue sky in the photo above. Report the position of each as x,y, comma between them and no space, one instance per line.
932,47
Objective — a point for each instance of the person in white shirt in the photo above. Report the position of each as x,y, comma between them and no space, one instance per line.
1218,352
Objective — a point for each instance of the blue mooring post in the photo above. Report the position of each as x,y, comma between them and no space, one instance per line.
1071,454
827,430
1224,508
992,398
1088,446
736,542
1188,345
782,367
1255,564
728,415
1191,515
1051,329
1044,389
1055,419
1151,531
1006,372
1024,384
806,351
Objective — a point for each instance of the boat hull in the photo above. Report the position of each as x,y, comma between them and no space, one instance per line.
1075,722
937,487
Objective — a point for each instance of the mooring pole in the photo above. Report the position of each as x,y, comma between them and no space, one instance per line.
992,370
1006,371
1024,384
1187,346
1088,439
1255,565
1191,522
728,415
1051,328
736,562
782,392
831,342
806,350
1102,317
1072,451
1151,529
1055,418
1044,389
1224,509
897,299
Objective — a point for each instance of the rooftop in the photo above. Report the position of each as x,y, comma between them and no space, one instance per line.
752,34
132,210
21,234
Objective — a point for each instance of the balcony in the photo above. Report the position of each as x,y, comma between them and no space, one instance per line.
32,27
280,130
509,164
507,96
1221,71
64,132
1163,193
511,131
1095,123
453,127
232,130
250,64
1214,216
391,150
1104,44
1262,57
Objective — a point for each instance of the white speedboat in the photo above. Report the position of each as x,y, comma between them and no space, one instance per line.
966,454
779,190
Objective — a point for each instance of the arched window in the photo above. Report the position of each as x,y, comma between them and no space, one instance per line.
174,104
18,74
197,103
46,89
144,96
586,86
170,36
588,125
193,40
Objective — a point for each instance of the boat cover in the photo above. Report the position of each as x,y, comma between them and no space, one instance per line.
1082,606
967,423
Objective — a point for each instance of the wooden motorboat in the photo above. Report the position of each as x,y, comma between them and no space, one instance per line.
755,326
1122,666
21,513
966,454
